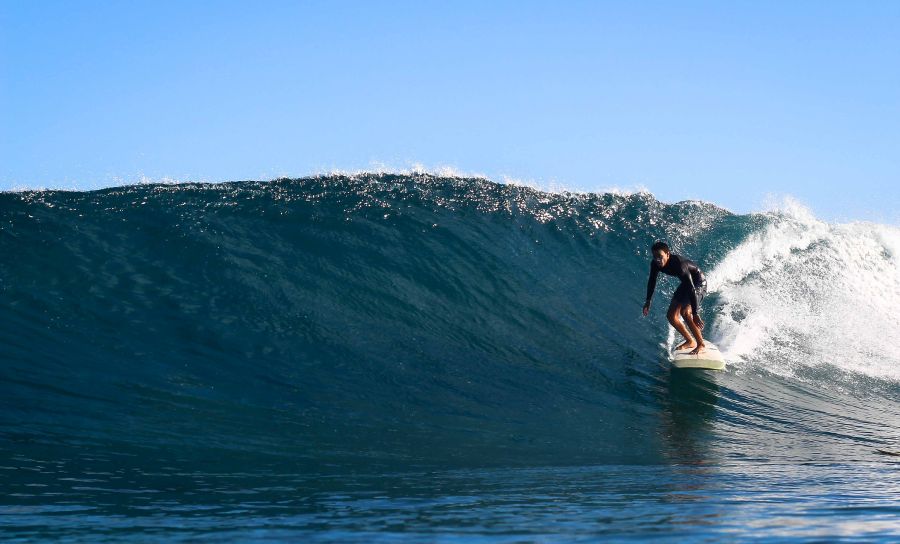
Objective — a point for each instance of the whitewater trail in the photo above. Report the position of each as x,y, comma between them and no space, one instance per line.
802,293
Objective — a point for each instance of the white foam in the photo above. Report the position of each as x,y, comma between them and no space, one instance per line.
802,293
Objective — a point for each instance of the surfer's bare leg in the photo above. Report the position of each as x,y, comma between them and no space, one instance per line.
673,315
688,316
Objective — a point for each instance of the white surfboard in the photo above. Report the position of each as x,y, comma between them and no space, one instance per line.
709,358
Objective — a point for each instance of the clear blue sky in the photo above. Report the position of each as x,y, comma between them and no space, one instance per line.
722,101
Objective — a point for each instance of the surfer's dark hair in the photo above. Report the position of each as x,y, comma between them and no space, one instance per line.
660,245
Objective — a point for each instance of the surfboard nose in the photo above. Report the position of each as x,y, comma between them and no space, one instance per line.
709,358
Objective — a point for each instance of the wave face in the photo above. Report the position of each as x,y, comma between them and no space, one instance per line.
379,321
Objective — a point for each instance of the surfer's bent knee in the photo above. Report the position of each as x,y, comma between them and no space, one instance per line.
673,313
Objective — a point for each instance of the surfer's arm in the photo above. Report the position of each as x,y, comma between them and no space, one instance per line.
651,283
686,278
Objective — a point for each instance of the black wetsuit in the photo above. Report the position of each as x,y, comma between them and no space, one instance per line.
693,284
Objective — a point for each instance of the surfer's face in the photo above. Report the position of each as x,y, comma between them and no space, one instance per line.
661,256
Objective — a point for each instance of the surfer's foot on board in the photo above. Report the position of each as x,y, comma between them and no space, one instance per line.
697,349
686,345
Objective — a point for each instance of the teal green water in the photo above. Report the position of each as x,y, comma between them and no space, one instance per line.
387,357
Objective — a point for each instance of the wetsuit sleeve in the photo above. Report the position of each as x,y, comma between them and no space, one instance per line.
651,282
686,278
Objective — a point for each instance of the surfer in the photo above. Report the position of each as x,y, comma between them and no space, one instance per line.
687,297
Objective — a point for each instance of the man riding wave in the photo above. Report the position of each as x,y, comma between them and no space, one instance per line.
687,297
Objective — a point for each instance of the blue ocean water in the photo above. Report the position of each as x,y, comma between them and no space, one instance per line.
386,357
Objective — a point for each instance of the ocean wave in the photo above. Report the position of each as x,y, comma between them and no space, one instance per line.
383,318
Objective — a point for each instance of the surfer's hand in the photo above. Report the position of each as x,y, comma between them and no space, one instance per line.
698,322
646,309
